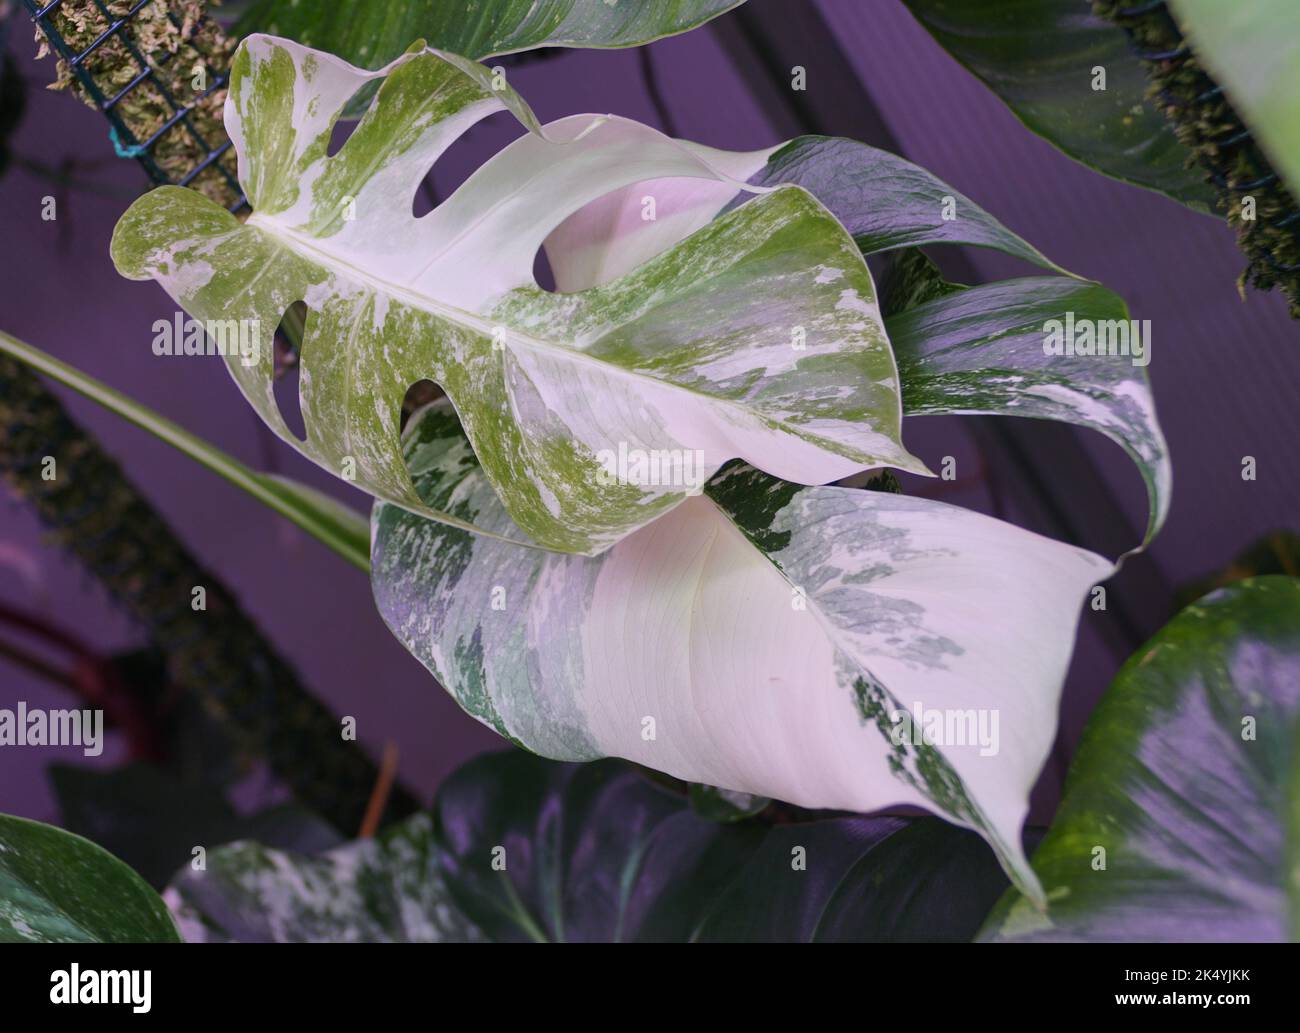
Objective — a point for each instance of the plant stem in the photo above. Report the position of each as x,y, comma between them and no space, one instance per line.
344,531
217,654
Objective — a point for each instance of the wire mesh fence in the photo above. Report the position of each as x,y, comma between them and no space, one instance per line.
157,69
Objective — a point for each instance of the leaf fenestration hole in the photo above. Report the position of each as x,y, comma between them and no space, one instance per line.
348,121
542,271
418,395
288,353
462,158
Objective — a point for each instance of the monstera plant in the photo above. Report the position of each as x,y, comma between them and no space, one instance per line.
754,619
584,615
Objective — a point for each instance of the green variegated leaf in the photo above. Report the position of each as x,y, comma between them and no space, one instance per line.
388,889
59,888
1180,820
372,32
885,201
756,336
761,638
976,350
912,278
981,350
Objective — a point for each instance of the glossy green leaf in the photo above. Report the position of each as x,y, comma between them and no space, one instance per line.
868,880
1253,51
341,528
756,336
763,638
371,33
1181,815
525,849
383,890
535,850
1039,57
59,888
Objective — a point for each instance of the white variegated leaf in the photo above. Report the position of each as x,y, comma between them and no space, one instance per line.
978,350
761,638
753,335
386,889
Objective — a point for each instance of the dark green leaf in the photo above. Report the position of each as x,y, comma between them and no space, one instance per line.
59,888
869,880
521,848
595,852
373,32
1181,817
1039,56
724,805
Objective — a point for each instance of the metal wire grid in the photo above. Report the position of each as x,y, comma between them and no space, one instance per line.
123,138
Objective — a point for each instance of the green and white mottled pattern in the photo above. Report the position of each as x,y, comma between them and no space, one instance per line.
388,889
757,638
1185,786
979,350
756,336
969,350
56,887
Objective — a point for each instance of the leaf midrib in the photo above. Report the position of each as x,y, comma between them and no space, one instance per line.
302,244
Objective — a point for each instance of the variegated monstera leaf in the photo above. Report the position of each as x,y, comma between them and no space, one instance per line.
970,350
792,642
756,336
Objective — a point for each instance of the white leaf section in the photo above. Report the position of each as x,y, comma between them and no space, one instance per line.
755,335
763,638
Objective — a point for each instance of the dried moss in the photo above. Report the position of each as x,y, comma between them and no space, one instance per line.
186,51
94,512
